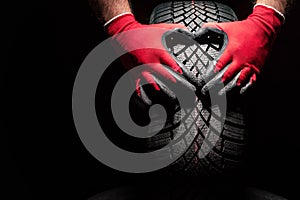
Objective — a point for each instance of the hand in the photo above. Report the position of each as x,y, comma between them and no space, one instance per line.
153,58
249,44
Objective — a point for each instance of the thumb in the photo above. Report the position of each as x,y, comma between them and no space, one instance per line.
166,59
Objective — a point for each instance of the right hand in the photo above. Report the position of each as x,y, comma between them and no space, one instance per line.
155,59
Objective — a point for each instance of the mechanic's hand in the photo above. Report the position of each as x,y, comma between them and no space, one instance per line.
248,46
142,40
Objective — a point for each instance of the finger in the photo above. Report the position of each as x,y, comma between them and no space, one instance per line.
253,78
245,88
162,71
245,75
183,88
142,94
138,86
160,89
215,81
232,70
229,86
150,80
181,81
166,59
249,84
210,71
166,90
223,60
215,66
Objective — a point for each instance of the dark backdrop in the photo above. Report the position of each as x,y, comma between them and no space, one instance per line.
44,157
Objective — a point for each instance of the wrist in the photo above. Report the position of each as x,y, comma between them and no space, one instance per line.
119,23
278,12
268,19
116,17
279,5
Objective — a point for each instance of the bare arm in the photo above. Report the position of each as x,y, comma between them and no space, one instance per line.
279,5
107,9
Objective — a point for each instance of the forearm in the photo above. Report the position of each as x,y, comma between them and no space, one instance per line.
107,9
279,5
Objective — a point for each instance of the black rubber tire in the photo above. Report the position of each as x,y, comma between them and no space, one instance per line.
227,153
192,135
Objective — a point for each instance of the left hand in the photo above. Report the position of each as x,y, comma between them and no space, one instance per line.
249,43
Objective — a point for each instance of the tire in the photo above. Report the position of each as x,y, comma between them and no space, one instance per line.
229,144
226,144
192,15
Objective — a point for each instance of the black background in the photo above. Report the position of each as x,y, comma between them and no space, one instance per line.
44,157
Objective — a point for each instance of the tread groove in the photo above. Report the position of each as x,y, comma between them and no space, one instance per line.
229,144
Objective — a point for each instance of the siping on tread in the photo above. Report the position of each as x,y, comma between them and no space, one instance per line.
192,15
229,144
